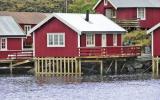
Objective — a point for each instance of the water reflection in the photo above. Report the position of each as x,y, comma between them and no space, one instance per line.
51,79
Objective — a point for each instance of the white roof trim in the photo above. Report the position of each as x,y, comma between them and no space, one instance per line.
96,4
112,4
153,28
47,19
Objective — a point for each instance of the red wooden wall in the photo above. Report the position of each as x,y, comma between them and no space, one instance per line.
13,45
52,26
156,42
98,40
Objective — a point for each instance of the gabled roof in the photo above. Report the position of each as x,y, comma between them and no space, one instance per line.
9,28
77,22
153,28
25,17
133,3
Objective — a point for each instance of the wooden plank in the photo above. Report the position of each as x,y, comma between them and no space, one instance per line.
68,69
53,65
101,68
49,65
64,60
61,66
157,66
46,67
76,67
57,66
42,66
72,66
80,71
35,66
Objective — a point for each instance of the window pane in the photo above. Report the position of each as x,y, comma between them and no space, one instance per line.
3,43
55,39
90,39
50,40
61,40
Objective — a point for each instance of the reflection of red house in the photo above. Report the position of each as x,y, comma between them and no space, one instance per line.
72,35
155,34
11,37
131,13
26,20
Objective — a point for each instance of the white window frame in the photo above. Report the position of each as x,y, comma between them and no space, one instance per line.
3,49
27,28
53,35
105,2
115,39
87,37
139,15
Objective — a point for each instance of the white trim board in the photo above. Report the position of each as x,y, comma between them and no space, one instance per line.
153,28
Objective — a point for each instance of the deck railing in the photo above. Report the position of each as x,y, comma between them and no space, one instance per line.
128,23
119,51
21,55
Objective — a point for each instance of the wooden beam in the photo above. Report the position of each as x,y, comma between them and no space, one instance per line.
116,67
101,68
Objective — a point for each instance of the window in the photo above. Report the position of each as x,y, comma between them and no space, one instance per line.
110,13
27,28
90,40
55,40
3,43
105,2
114,39
141,13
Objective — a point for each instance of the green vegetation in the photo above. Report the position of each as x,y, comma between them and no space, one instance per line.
137,37
47,6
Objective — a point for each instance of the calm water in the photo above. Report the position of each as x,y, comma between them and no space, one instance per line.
123,87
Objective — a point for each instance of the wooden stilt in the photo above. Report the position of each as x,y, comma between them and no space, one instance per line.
76,67
72,66
153,66
46,67
101,68
116,67
49,65
157,70
42,66
68,66
38,66
57,68
53,66
11,70
61,66
80,71
35,66
64,60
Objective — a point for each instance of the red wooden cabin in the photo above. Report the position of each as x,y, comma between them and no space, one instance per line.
79,35
26,20
131,13
11,37
155,34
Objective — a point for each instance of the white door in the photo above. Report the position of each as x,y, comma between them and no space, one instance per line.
104,40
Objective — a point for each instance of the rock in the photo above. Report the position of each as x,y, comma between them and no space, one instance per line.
137,65
130,68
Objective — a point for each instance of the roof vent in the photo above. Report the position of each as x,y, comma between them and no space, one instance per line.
87,16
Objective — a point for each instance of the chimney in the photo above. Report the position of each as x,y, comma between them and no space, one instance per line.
87,16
